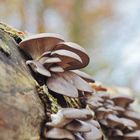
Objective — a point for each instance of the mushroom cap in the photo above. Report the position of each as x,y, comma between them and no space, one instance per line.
59,85
70,60
102,112
84,75
128,123
132,135
78,126
114,121
95,133
59,133
35,45
77,81
133,116
73,47
122,100
74,113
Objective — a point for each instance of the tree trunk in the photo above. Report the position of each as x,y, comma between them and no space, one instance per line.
21,110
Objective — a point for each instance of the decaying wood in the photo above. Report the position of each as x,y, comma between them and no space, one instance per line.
21,110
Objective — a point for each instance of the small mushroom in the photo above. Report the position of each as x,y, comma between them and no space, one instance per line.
133,116
59,133
128,123
78,126
114,121
132,135
83,75
94,134
73,47
68,57
66,115
122,100
73,113
77,81
102,112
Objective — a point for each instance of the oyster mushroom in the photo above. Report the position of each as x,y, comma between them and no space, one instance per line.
132,135
66,115
59,133
59,85
133,116
36,45
78,126
122,100
84,75
54,58
73,47
94,134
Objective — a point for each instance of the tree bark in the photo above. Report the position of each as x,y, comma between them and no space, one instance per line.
21,110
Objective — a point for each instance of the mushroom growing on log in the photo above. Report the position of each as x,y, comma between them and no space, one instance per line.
56,59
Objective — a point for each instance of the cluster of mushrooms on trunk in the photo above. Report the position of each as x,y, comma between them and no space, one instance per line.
58,62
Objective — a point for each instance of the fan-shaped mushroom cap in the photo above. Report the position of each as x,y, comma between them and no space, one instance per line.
70,60
78,126
113,121
36,45
102,112
132,135
73,113
84,75
59,85
73,47
66,115
59,133
122,100
94,134
77,81
94,104
134,116
128,123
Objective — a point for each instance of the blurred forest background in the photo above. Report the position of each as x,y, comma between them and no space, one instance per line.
108,29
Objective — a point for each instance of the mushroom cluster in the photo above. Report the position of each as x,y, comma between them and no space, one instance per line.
58,61
73,124
116,116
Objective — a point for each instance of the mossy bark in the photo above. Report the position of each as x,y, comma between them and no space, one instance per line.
21,110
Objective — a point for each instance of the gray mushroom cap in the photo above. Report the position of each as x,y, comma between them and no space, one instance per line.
95,133
73,47
66,115
59,133
132,135
36,45
78,126
122,100
84,75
